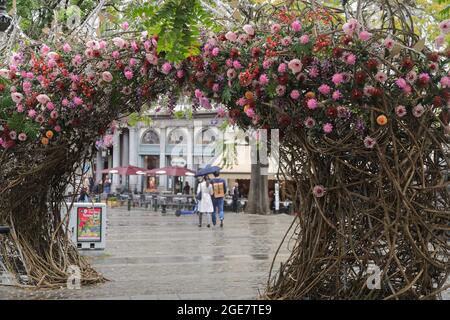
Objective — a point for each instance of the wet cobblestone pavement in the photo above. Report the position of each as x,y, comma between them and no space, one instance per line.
155,256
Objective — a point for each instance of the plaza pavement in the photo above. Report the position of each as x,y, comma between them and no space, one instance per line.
154,256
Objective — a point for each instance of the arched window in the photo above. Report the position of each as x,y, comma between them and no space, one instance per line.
206,136
150,137
177,136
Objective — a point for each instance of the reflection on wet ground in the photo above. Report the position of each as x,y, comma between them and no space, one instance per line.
155,256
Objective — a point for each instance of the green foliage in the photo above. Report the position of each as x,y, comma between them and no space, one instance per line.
134,118
19,123
178,24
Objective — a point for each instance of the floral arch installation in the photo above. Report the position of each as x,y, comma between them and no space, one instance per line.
363,119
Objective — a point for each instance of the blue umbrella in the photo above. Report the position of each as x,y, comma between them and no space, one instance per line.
209,169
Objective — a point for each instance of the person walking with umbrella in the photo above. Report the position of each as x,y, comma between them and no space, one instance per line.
219,191
205,204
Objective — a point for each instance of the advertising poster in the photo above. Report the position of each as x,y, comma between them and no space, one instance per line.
89,224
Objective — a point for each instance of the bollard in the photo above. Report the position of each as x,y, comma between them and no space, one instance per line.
129,204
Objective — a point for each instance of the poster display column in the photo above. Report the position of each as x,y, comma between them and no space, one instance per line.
88,225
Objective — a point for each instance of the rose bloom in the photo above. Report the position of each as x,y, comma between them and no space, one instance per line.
401,83
369,142
281,90
215,52
309,122
22,136
107,76
54,114
319,191
128,74
231,36
20,108
237,64
275,28
67,48
13,135
350,26
295,65
242,39
166,67
304,39
50,106
400,111
267,64
411,77
180,74
445,82
295,94
249,29
231,73
286,41
389,43
151,58
381,76
215,87
17,97
418,111
282,68
327,127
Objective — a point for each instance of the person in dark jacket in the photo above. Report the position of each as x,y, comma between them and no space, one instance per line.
236,195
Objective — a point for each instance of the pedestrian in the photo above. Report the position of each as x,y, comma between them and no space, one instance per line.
187,188
107,187
236,195
83,195
205,204
219,189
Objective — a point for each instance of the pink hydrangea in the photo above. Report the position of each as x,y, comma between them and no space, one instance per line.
296,26
31,113
445,82
78,101
151,58
267,64
313,72
65,102
115,54
180,74
237,64
312,104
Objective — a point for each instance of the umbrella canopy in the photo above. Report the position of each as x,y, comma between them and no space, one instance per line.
128,170
171,171
209,169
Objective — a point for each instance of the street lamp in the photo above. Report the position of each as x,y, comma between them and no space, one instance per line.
5,20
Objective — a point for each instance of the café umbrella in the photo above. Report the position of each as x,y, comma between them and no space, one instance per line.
127,171
172,171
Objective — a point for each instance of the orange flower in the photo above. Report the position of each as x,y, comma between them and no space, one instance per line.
49,134
310,95
249,95
44,141
382,120
246,107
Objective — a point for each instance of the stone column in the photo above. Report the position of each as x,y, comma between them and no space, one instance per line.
125,154
190,153
162,153
116,160
99,166
133,156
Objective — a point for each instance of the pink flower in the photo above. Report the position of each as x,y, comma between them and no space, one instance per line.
204,102
65,102
45,50
312,104
13,135
337,79
369,142
336,95
54,114
166,67
350,26
26,86
231,36
445,82
76,61
281,90
132,62
31,113
67,48
267,64
389,43
249,29
115,54
296,26
309,122
364,35
119,42
295,94
151,58
401,83
424,77
231,74
57,128
400,111
445,26
241,102
215,51
286,41
343,112
237,64
411,77
50,106
304,39
282,68
102,44
215,87
128,74
263,79
319,191
17,97
295,65
327,127
22,136
180,74
313,72
324,89
418,111
229,63
40,119
125,25
107,76
250,112
275,28
42,98
350,59
198,93
221,113
381,77
439,41
78,101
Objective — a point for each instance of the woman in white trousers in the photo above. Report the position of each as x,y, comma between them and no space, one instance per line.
205,205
